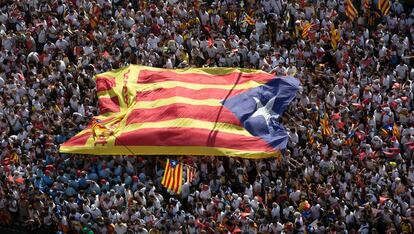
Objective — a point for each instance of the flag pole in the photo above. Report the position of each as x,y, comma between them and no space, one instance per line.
124,145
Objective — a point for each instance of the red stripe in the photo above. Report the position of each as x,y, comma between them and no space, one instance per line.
104,83
108,105
170,178
191,137
180,174
178,181
168,174
188,93
176,174
189,171
147,76
191,175
181,110
78,140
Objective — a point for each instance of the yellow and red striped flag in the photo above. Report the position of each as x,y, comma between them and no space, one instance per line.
173,176
305,31
335,37
367,4
396,131
191,173
14,157
246,18
99,131
326,129
206,111
311,139
97,124
384,6
350,10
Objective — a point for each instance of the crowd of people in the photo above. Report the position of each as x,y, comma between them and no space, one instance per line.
357,179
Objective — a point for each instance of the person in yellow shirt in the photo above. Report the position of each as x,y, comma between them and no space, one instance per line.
406,227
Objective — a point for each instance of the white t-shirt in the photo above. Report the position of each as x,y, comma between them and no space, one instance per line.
153,42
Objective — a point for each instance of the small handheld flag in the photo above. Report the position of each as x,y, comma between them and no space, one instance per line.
350,10
99,130
326,129
396,131
305,31
384,6
173,176
191,174
335,37
386,130
246,18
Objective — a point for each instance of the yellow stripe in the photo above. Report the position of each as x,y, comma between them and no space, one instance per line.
189,123
173,84
175,100
166,150
169,175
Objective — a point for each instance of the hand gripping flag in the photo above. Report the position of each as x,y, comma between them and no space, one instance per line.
173,176
209,111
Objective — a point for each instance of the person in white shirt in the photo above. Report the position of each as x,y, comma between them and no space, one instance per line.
339,91
152,42
260,26
120,228
253,57
204,16
279,70
402,70
397,8
211,51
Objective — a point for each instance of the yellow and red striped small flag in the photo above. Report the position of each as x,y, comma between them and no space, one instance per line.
14,157
305,31
396,131
367,4
350,10
335,37
384,6
191,174
246,18
311,139
326,129
173,176
97,126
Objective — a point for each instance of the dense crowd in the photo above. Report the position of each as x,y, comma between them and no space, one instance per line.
359,179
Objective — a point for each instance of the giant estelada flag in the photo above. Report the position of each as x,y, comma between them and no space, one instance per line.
206,111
